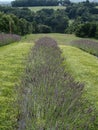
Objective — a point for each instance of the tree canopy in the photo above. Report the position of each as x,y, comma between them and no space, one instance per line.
21,3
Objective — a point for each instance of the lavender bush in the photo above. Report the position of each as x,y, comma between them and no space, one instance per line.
8,38
48,98
87,45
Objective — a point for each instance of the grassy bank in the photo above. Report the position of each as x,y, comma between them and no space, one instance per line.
84,68
62,39
11,67
81,65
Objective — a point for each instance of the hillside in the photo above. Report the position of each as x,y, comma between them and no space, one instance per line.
12,59
81,65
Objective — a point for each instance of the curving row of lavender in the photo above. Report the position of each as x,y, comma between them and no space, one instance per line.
48,98
87,45
8,38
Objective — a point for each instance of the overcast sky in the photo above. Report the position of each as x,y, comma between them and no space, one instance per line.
6,0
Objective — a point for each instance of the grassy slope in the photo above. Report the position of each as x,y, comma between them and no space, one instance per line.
35,9
62,39
84,68
11,67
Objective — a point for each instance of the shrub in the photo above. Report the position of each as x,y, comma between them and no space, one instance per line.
8,38
87,45
44,29
86,30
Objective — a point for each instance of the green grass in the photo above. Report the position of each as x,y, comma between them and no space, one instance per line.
62,39
84,68
96,7
37,8
11,67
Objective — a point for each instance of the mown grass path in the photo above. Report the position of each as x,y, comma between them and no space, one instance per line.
11,67
84,68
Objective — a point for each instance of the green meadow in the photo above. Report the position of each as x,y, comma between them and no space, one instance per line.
62,39
35,9
84,68
12,59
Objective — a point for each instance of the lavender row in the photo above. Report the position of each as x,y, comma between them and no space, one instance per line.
87,45
8,38
48,97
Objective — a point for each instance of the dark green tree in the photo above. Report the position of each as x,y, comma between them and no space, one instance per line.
44,29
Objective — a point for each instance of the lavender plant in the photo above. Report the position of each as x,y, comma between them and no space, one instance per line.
48,98
8,38
87,45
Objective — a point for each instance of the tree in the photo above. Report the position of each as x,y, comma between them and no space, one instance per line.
6,24
44,29
87,30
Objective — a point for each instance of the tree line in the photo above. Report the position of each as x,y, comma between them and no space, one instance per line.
25,3
24,21
74,19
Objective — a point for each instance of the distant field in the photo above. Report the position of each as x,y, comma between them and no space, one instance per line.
37,8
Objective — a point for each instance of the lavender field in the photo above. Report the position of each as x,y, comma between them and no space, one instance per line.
48,85
48,97
8,38
87,45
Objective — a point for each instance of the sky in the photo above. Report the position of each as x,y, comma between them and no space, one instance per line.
6,0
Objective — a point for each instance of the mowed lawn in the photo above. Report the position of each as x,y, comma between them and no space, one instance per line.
37,8
84,68
62,39
12,59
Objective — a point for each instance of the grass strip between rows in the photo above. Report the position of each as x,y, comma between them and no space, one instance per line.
12,58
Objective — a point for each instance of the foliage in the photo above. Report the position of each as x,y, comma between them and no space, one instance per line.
51,18
48,97
26,21
26,3
87,30
8,38
87,45
44,29
74,25
12,59
10,23
57,20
